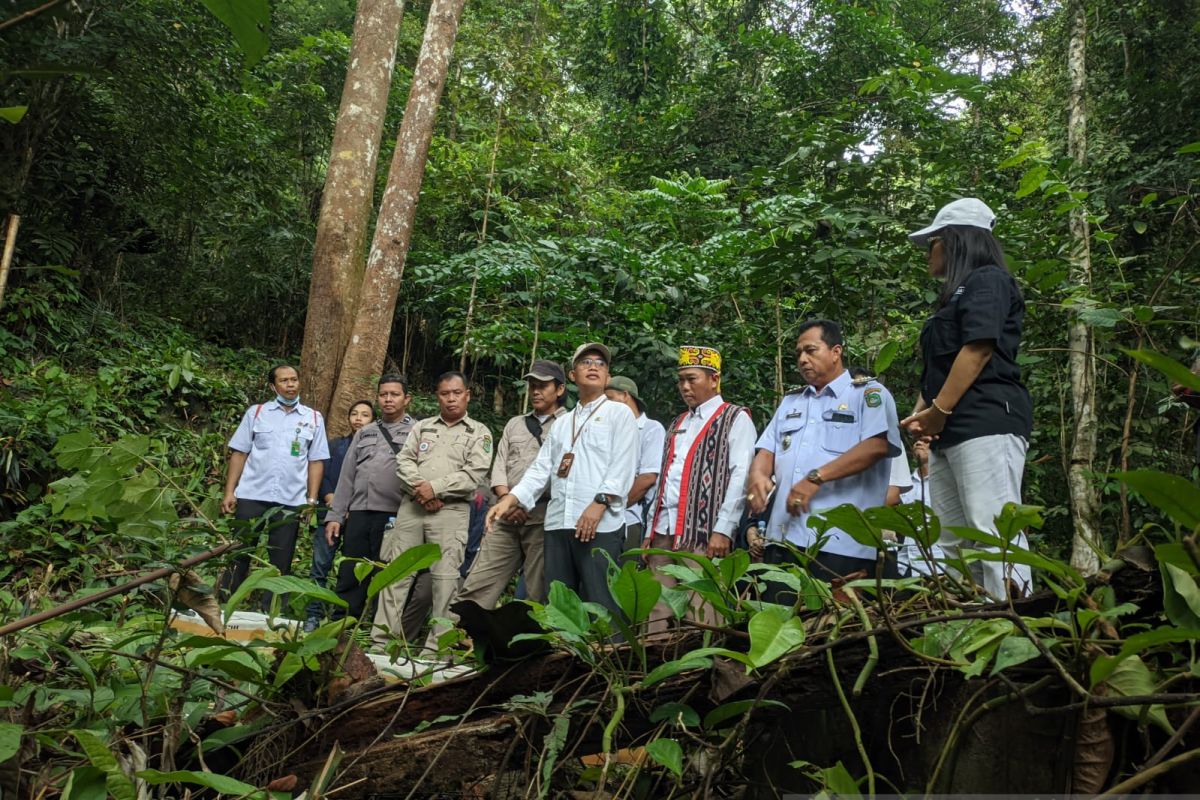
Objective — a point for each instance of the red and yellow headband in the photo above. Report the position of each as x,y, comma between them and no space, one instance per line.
699,357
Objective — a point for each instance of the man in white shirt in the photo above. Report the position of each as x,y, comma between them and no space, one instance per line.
701,486
651,437
588,463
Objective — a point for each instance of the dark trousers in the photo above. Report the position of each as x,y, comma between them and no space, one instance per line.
283,526
582,565
322,563
362,537
825,567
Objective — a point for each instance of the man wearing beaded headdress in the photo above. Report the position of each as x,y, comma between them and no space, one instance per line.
701,485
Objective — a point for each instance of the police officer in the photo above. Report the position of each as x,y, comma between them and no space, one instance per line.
827,444
439,466
276,460
368,492
518,540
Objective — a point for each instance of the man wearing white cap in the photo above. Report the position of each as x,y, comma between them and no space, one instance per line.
588,463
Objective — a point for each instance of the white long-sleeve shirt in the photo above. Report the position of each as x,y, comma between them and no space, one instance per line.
606,453
741,453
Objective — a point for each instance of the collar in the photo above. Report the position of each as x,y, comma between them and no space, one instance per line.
555,414
275,404
836,387
594,403
405,420
707,408
465,419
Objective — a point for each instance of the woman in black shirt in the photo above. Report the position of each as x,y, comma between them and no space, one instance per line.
973,406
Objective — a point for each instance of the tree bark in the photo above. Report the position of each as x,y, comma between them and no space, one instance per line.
1086,542
372,327
346,203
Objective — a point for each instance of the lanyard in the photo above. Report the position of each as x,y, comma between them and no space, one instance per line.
575,415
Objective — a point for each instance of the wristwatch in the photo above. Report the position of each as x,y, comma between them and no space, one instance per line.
602,499
814,476
312,501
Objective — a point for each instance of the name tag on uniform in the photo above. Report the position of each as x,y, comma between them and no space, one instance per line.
794,415
841,416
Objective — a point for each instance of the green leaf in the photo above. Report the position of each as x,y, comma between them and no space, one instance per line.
249,20
564,610
115,780
1013,651
1194,147
1132,678
1139,226
729,711
774,631
1181,597
887,354
1031,180
636,592
1103,666
1176,497
412,560
13,114
668,753
676,714
1168,366
85,783
301,587
671,668
75,450
222,784
10,739
733,567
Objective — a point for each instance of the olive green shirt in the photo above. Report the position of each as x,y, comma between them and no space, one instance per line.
453,458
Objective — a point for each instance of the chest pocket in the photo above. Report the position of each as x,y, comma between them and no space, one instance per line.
366,446
941,334
838,437
788,437
262,434
597,433
305,433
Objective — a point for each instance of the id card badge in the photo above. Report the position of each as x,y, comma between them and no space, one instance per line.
296,447
564,466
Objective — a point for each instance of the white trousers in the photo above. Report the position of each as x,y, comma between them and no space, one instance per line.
969,483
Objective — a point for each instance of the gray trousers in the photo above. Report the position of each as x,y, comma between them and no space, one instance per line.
504,551
969,483
582,565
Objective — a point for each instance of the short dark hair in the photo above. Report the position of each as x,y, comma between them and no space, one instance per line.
271,372
831,332
450,375
859,372
393,377
358,403
967,248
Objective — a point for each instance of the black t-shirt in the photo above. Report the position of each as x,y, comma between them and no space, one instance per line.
988,305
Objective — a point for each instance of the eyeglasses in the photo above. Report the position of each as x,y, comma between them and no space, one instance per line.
591,362
930,242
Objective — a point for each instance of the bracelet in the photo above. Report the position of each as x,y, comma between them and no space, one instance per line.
940,410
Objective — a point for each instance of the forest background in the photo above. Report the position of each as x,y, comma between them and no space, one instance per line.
642,173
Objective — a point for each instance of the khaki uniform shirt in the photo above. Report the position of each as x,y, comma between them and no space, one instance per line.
516,451
453,458
368,481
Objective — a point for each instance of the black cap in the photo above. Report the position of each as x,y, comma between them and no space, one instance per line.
543,370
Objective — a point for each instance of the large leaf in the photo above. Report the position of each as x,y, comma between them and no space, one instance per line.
115,780
668,753
412,560
1103,666
1132,678
728,711
677,714
671,668
774,631
222,784
1177,372
887,354
564,610
636,592
1181,596
13,114
1176,497
250,22
10,739
1014,650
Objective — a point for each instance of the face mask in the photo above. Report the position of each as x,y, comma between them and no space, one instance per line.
289,403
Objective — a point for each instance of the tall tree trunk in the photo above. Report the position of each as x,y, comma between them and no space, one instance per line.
346,203
393,229
1084,503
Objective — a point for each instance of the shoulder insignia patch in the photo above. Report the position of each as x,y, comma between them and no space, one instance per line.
874,398
487,445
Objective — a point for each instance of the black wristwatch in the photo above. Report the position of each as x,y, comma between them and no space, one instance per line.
814,476
602,499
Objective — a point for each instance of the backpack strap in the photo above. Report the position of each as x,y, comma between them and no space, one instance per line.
391,442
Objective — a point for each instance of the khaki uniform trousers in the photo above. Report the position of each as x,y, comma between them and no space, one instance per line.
662,615
446,528
505,550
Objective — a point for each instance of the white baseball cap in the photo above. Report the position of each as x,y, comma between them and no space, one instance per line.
967,211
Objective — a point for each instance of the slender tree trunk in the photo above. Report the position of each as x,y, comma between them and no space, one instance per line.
10,243
340,249
1084,503
483,230
393,229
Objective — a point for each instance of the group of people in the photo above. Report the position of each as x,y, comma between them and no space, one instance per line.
575,489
